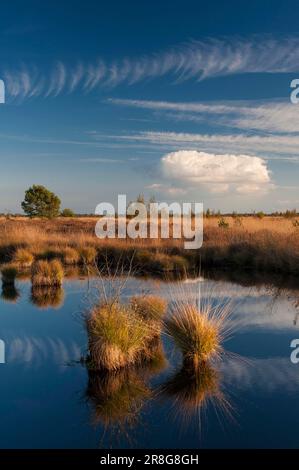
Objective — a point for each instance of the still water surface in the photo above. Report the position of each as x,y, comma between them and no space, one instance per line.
48,399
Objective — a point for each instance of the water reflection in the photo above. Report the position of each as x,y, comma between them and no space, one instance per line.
118,397
134,404
10,293
37,351
46,297
192,391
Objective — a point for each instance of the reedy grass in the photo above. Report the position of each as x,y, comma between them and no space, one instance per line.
88,254
118,337
47,273
198,326
269,244
70,256
149,307
23,258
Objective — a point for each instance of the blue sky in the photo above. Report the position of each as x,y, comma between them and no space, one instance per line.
189,101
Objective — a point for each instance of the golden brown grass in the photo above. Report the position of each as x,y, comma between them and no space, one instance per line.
88,254
267,244
118,337
149,307
47,273
23,258
195,334
70,256
198,324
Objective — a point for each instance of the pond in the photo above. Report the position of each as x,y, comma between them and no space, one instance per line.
49,400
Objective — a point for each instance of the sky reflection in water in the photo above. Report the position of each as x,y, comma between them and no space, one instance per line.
50,400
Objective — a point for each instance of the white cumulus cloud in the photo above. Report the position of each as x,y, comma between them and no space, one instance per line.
217,173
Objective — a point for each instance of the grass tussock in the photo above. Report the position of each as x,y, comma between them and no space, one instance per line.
198,325
88,254
70,256
23,258
151,308
118,337
197,336
47,273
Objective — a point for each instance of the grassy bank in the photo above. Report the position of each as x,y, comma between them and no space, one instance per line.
251,243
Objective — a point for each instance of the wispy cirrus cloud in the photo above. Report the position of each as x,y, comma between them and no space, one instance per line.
284,147
195,60
274,116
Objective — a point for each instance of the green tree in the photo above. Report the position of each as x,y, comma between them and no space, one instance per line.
40,202
260,215
67,213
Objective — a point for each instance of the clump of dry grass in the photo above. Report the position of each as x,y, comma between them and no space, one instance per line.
23,258
197,336
149,307
198,327
47,273
118,337
88,254
70,256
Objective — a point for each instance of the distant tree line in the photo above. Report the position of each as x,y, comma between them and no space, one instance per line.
41,202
